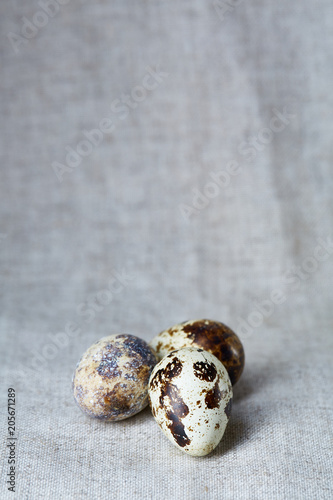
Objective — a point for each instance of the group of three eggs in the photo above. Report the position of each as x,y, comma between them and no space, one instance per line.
186,373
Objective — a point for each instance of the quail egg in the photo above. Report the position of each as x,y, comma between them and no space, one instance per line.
211,336
190,395
111,379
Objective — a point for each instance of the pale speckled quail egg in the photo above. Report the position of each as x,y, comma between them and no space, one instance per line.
211,336
111,379
190,395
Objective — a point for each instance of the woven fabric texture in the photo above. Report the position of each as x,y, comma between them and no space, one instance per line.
160,162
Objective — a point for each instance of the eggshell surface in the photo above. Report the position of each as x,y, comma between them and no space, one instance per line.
190,395
212,336
111,379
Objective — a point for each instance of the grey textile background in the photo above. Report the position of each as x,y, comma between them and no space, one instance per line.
139,236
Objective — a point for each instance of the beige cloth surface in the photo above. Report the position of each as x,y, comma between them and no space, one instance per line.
125,243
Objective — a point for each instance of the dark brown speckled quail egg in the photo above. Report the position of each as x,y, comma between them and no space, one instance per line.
111,379
212,336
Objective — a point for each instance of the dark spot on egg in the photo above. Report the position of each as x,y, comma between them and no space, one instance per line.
80,392
221,341
217,426
117,402
173,369
108,367
175,409
213,397
205,371
137,347
178,430
178,406
171,401
157,379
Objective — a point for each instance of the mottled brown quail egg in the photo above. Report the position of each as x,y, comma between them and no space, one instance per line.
212,336
190,397
111,379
